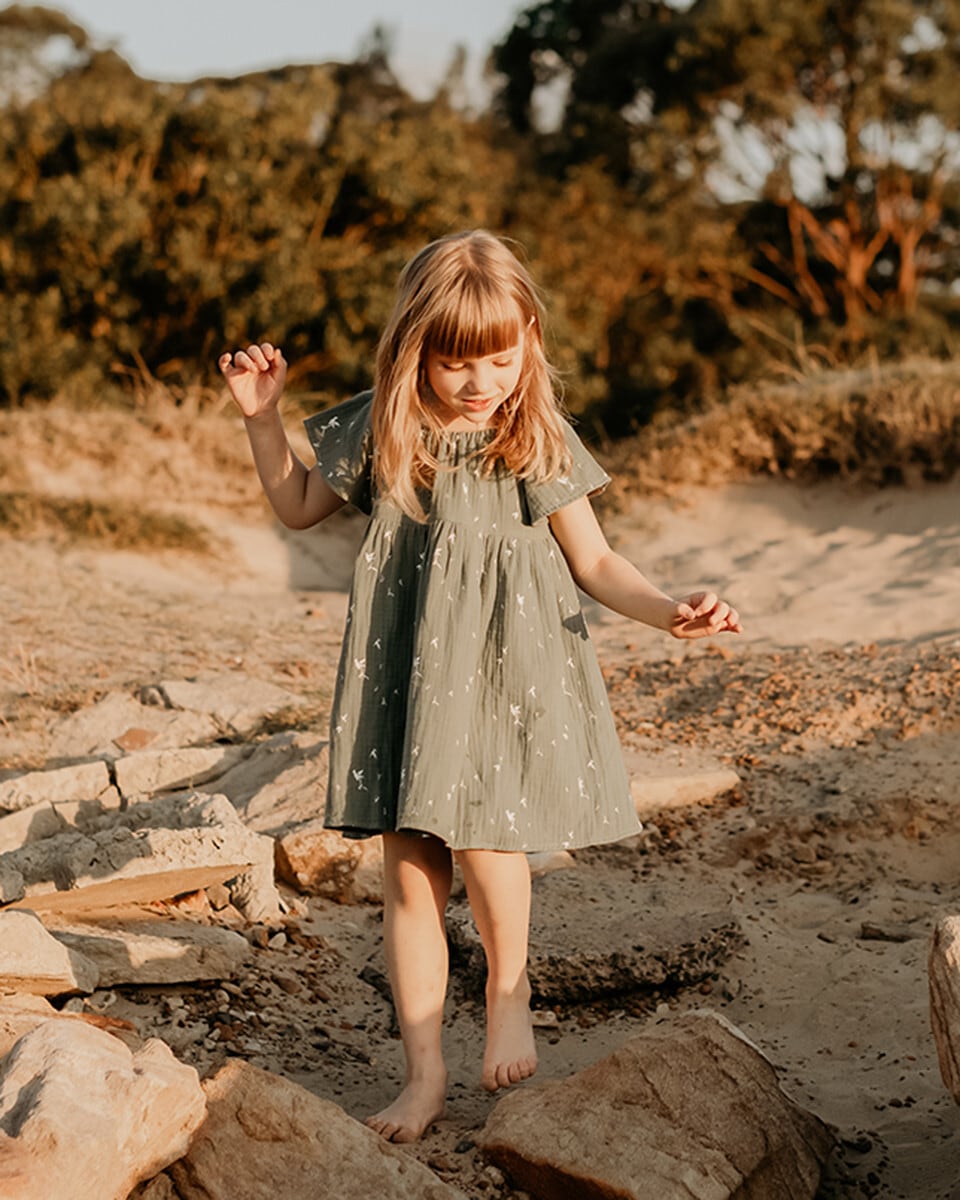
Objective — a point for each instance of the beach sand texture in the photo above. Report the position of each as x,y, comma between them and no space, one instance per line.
838,853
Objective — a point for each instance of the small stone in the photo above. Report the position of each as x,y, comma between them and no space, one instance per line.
277,942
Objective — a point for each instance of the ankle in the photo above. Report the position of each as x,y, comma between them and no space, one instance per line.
516,990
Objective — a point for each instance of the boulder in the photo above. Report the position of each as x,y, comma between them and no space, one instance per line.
688,1110
33,961
44,820
147,772
266,1137
120,722
322,862
81,781
593,935
152,852
152,950
238,704
944,978
83,1116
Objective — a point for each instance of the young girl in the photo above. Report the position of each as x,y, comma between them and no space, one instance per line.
470,719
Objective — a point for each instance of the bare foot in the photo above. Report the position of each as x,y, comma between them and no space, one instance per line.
511,1054
420,1103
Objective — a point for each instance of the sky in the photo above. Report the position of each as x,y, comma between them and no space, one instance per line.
186,39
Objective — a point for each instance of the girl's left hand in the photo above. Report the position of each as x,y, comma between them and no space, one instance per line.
704,614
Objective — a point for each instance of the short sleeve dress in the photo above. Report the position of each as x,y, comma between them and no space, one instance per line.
469,702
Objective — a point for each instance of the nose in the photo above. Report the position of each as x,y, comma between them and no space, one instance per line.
480,379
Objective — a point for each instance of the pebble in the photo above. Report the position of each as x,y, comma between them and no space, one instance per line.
544,1019
278,941
75,1004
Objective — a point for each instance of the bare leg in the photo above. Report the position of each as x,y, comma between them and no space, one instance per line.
416,886
498,887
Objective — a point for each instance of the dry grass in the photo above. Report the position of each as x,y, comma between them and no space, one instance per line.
25,514
144,476
899,423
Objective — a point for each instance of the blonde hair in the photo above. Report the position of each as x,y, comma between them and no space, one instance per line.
463,296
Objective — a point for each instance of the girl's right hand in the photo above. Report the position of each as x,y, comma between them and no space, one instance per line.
255,377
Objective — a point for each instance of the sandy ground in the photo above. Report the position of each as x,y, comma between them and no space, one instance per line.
839,707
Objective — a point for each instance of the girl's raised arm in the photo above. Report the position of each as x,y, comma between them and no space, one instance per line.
609,578
298,494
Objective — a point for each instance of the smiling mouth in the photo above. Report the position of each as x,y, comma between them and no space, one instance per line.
479,403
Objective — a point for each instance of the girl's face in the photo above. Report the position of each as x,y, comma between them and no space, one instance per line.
466,392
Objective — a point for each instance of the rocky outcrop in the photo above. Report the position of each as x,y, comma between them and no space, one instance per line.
150,852
593,935
689,1110
83,1116
266,1136
944,975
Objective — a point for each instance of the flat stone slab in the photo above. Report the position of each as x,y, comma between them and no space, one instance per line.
153,950
596,934
667,777
80,781
33,961
146,772
152,852
120,722
237,703
44,820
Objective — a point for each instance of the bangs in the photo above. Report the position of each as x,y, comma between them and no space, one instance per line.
475,322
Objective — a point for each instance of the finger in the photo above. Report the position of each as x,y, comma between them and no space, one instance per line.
258,357
708,602
224,362
684,611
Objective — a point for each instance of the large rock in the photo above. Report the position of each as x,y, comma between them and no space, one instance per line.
33,961
81,781
265,1137
44,820
689,1110
944,976
153,851
322,862
238,704
594,934
147,772
120,722
153,950
83,1117
282,785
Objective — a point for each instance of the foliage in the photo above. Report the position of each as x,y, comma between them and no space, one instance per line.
145,227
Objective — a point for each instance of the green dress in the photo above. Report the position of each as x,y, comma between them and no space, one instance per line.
469,703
